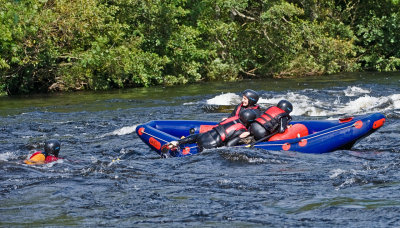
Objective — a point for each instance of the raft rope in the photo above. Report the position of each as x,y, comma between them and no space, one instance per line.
154,136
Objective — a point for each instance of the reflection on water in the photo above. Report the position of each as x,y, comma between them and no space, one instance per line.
108,177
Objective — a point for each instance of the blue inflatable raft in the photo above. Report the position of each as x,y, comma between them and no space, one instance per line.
311,136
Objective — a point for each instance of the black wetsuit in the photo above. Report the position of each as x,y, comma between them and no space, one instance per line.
240,108
272,120
225,133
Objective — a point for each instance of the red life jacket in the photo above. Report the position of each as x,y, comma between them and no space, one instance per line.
227,128
270,118
51,159
48,158
241,107
36,153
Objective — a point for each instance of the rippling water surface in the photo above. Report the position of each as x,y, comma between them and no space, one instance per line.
108,177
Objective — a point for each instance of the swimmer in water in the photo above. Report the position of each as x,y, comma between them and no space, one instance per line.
50,154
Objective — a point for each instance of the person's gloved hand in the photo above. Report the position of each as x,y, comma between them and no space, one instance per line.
173,144
247,140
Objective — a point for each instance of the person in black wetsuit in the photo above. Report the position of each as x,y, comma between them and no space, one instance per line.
274,120
249,101
226,133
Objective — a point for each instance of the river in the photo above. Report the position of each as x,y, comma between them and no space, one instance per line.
109,177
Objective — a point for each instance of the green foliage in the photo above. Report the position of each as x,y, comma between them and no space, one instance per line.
102,67
379,37
218,69
50,45
24,56
185,56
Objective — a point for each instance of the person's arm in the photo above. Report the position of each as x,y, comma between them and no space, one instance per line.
237,137
283,124
246,138
234,110
244,134
258,111
188,139
233,142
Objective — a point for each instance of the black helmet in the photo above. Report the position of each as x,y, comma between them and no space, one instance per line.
52,147
251,95
285,106
247,116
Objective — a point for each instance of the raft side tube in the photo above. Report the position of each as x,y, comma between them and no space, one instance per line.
179,128
339,136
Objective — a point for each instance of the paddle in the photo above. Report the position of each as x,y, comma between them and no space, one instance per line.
262,139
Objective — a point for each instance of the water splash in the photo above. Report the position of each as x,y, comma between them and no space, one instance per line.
122,131
225,99
353,91
7,156
308,102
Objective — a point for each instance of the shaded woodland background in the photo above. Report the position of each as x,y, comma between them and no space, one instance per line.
61,45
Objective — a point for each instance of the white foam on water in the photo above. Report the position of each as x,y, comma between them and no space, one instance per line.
257,160
121,131
51,164
125,130
93,159
347,182
7,156
302,104
226,181
353,91
336,173
225,99
306,106
192,103
365,103
395,99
